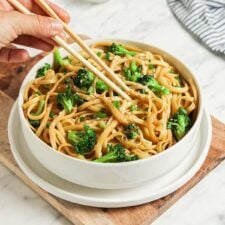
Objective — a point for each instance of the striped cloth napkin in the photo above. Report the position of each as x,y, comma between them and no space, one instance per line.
204,18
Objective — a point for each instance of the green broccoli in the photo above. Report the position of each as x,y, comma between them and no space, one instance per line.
118,49
99,54
152,84
116,153
151,66
102,124
133,73
35,123
90,90
100,114
143,91
179,79
116,103
107,56
101,86
67,100
58,60
84,79
68,81
133,108
83,141
43,70
48,124
40,108
131,131
78,100
180,123
82,119
51,114
38,93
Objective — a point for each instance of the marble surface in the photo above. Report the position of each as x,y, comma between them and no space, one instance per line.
150,21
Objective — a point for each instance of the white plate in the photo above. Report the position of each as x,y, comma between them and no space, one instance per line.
150,191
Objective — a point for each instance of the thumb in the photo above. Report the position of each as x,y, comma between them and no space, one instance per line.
39,26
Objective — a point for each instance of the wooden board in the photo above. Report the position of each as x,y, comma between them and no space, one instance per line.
10,80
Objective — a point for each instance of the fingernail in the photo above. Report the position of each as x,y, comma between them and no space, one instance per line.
57,26
63,35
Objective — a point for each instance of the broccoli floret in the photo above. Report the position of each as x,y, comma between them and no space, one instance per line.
99,54
43,70
84,79
133,108
143,91
116,153
118,49
180,123
51,114
101,86
151,66
102,125
40,108
90,90
131,131
58,60
133,73
100,115
82,119
107,56
48,124
83,141
78,100
38,93
116,103
35,123
179,79
152,84
67,100
68,81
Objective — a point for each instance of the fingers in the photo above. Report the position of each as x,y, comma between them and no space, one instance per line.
9,55
4,5
60,12
34,42
44,44
32,6
36,25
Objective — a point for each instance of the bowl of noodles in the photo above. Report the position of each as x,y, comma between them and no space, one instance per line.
81,130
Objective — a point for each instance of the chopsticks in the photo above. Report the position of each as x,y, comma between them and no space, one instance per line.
82,44
70,50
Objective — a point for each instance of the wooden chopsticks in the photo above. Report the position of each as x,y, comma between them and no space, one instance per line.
82,44
70,50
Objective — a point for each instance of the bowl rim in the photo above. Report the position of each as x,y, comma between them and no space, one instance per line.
120,164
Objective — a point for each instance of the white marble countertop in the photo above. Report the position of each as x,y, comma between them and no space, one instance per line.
150,21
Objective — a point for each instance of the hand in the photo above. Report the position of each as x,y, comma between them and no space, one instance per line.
28,30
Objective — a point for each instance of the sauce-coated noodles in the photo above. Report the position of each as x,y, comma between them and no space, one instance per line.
95,119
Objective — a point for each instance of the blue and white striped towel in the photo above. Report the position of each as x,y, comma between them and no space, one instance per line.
205,18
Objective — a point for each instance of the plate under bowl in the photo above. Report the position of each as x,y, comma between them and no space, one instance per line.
152,190
111,175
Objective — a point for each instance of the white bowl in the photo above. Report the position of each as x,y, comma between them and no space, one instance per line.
111,175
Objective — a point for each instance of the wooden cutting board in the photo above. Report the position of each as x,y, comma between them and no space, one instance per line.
11,77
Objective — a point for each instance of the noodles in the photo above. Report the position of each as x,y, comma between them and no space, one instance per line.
95,119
